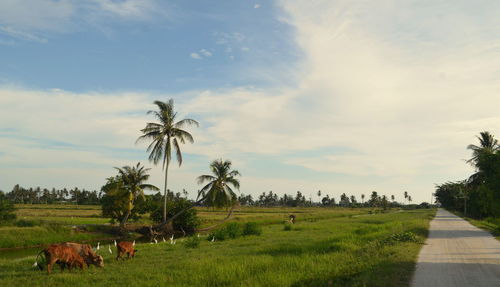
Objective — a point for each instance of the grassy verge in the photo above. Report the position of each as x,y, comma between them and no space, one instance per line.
372,250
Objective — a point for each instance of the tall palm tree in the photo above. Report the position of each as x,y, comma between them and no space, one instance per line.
218,192
163,135
406,194
132,182
393,197
363,198
487,144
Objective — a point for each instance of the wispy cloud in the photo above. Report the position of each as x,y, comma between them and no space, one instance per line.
7,30
29,19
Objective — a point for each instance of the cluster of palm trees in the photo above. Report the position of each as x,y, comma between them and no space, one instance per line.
478,195
165,137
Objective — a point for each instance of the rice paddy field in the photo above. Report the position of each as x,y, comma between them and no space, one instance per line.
326,247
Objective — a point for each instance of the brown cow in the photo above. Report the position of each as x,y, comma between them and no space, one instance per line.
86,253
125,247
63,255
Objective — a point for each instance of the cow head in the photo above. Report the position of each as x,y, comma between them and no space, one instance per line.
98,261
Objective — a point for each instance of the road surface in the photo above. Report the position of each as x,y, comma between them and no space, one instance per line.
457,254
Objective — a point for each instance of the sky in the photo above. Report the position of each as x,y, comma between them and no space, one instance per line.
337,96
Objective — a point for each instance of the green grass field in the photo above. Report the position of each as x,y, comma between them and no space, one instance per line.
327,247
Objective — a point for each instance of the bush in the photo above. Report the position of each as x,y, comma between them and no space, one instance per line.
25,223
219,235
187,221
251,228
192,242
233,230
287,227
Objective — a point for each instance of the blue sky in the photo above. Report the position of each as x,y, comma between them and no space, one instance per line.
332,95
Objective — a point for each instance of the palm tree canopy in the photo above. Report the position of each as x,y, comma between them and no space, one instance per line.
487,144
166,133
218,192
133,179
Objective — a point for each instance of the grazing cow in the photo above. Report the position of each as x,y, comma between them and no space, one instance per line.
125,247
292,218
63,255
86,253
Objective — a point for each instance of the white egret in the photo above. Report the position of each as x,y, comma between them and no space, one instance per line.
163,239
156,241
98,247
133,243
115,242
109,249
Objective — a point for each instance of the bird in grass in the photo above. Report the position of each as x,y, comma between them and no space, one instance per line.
171,239
156,241
163,239
133,243
35,264
109,249
198,235
98,247
213,238
115,242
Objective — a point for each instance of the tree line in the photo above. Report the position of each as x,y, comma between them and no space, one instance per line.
38,195
478,195
270,199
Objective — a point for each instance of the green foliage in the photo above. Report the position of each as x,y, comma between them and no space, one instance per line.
233,230
251,228
287,227
115,202
479,195
192,242
218,234
218,192
187,221
6,209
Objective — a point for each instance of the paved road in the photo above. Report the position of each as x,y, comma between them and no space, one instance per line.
457,254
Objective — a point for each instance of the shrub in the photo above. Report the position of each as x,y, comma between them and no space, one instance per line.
25,223
233,230
287,227
251,228
192,242
187,221
219,235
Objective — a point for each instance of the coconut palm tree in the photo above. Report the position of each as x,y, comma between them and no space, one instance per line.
487,144
132,182
165,135
406,194
363,198
218,191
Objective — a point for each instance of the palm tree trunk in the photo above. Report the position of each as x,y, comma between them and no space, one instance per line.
165,196
129,211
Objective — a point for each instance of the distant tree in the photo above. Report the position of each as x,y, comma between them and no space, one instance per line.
363,199
406,194
6,208
393,197
374,199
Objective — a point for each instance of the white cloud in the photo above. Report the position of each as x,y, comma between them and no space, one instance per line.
256,6
195,56
206,53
